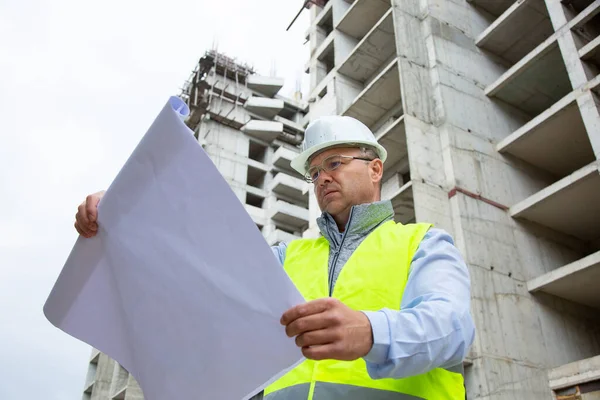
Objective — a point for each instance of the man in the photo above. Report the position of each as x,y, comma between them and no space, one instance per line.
388,305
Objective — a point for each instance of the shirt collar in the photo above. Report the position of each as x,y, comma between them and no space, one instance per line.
363,219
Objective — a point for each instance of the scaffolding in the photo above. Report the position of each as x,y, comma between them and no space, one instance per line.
198,92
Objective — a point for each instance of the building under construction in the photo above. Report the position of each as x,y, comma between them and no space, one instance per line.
251,134
489,111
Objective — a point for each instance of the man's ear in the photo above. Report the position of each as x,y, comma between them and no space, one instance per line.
376,170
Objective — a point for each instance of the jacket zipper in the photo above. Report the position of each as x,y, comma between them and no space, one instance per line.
337,253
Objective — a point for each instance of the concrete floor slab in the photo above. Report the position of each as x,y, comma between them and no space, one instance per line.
282,158
265,107
293,188
577,281
361,16
378,97
372,51
519,30
394,140
571,205
555,140
536,82
290,126
403,203
267,85
575,373
289,214
263,130
494,7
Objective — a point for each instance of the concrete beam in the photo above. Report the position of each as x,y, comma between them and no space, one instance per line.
577,281
575,373
267,108
372,51
393,138
361,16
536,82
264,130
494,7
555,141
267,85
519,30
377,97
577,197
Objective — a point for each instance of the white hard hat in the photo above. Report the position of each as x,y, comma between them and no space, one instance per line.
335,131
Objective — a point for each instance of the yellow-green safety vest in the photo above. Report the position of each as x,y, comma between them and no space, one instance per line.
374,277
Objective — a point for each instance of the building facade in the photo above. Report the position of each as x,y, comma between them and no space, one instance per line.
490,112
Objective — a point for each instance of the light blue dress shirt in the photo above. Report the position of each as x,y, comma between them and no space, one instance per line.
433,328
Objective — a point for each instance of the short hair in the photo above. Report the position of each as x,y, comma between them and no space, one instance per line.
368,152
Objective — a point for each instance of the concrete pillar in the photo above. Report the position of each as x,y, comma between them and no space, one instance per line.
104,374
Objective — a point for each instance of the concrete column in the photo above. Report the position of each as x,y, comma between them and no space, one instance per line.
103,379
579,74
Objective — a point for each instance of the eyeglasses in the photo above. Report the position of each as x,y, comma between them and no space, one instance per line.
329,164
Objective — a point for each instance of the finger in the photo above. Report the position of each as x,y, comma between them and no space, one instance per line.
306,324
306,309
79,229
321,352
82,222
82,216
91,206
314,338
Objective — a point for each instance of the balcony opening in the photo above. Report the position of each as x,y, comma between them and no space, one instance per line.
495,8
257,152
254,200
323,92
326,59
512,40
255,177
325,26
288,113
587,40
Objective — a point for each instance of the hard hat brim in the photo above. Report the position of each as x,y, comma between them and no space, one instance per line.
299,162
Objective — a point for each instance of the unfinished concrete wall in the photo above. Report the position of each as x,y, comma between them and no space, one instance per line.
452,145
496,104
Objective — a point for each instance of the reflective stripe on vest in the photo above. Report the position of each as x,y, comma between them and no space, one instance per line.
374,277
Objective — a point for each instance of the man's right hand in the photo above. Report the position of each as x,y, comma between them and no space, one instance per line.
86,219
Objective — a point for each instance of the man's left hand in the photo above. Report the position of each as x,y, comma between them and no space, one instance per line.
328,329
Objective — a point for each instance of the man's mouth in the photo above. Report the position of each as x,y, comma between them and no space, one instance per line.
328,192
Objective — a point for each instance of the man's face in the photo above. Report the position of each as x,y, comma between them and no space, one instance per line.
353,182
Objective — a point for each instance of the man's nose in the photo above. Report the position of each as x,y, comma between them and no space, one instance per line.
324,177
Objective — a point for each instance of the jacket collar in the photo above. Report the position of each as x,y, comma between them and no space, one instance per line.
363,219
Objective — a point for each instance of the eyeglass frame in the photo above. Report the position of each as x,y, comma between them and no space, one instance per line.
320,167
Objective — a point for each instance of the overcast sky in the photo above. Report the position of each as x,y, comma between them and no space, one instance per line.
80,82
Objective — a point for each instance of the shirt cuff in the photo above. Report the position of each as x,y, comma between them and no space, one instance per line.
381,337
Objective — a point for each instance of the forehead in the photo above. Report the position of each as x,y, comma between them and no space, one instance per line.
346,151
